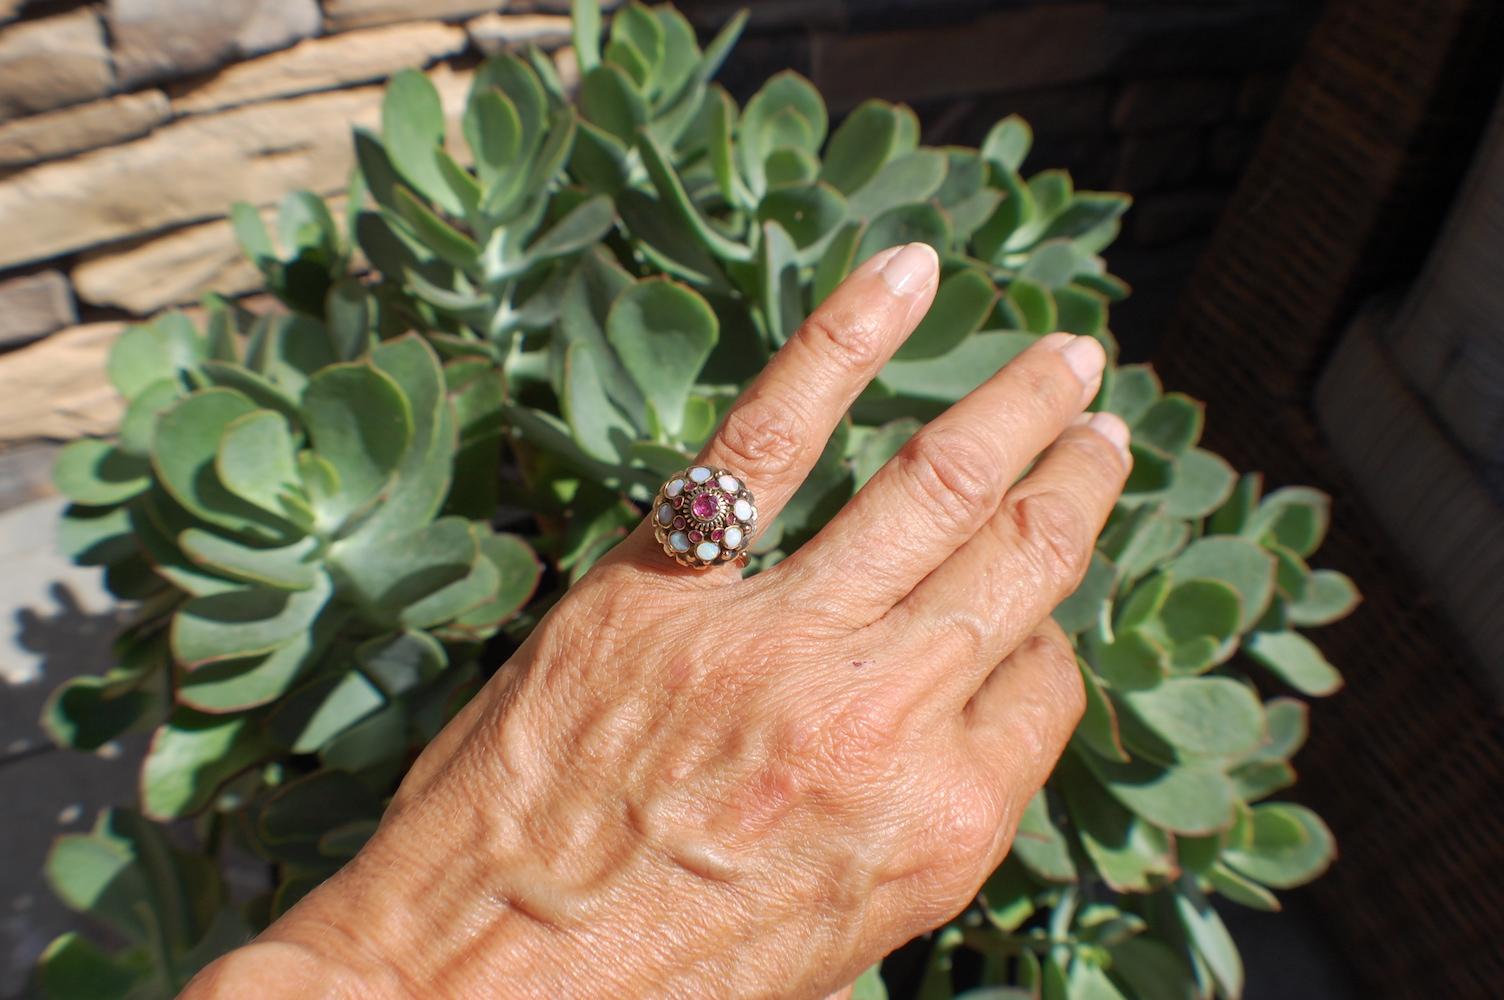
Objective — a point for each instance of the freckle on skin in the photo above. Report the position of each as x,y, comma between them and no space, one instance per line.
861,664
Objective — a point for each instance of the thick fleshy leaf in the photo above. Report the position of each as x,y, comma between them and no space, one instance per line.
1128,853
412,125
860,146
1082,609
447,243
422,478
1290,846
86,712
1201,716
1152,970
663,333
1172,423
74,968
191,756
584,226
97,474
238,684
671,190
1008,143
163,349
493,131
1328,596
910,223
903,180
304,809
401,662
287,567
598,425
139,425
257,461
1040,845
962,304
1236,562
477,587
782,302
1209,937
244,623
1193,800
315,713
611,102
1035,304
1099,724
807,213
187,441
1295,660
95,536
360,423
1201,483
1134,389
1131,661
1295,517
387,576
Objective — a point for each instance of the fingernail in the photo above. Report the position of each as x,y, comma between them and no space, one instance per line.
910,268
1111,427
1086,358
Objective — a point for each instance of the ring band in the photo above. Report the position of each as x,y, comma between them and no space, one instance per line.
704,516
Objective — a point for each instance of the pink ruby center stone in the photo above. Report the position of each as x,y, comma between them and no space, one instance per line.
704,507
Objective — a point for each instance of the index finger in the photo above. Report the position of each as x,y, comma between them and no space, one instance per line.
774,433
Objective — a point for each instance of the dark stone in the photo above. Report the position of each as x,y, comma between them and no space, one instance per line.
1154,161
1161,219
1144,105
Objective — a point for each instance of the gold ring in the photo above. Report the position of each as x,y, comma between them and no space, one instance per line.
704,516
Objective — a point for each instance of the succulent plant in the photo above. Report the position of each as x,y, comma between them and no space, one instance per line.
306,506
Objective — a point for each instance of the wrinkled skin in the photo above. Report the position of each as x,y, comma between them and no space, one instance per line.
692,784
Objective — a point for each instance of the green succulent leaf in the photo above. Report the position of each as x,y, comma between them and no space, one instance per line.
361,424
244,622
166,348
1201,716
191,756
1295,660
663,333
962,304
412,124
96,473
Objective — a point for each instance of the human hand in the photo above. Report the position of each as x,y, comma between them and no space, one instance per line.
693,784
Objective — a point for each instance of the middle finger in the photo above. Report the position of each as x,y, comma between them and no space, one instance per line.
949,478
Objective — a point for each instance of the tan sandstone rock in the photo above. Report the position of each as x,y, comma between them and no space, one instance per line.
493,33
158,39
346,14
34,305
82,127
174,269
191,170
324,64
56,388
52,62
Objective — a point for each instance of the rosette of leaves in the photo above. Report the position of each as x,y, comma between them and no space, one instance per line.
604,271
283,502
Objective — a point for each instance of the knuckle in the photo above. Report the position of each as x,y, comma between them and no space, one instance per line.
1055,534
853,345
1061,678
951,474
763,434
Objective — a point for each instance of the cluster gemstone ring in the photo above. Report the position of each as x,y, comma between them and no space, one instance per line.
704,516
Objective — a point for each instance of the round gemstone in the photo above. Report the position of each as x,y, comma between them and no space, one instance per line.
699,474
716,535
708,551
679,541
732,537
679,522
729,484
678,502
665,514
743,510
704,507
695,536
674,488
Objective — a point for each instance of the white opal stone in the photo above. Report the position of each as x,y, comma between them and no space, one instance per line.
708,551
743,510
674,488
732,537
729,483
699,474
665,514
679,541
